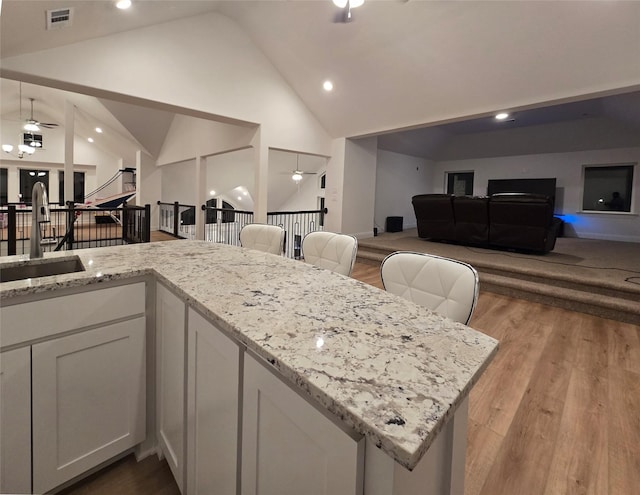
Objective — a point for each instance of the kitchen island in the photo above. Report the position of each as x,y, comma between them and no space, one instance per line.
384,371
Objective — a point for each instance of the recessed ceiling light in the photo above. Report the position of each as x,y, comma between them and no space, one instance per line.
245,193
98,130
502,116
352,4
212,193
239,198
123,4
90,140
327,85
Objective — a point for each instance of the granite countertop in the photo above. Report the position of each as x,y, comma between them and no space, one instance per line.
386,368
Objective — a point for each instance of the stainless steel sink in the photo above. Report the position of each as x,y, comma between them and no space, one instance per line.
40,268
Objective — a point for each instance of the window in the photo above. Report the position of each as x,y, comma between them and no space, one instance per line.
33,140
4,194
212,215
607,188
27,179
460,183
323,181
78,187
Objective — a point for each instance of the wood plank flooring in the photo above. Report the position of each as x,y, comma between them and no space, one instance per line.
557,412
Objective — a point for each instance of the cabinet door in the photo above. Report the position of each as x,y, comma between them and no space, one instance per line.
170,339
88,400
15,421
213,392
288,446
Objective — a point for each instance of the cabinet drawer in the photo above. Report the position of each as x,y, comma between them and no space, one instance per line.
41,319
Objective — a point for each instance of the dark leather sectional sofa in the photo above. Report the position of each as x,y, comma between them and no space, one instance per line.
507,220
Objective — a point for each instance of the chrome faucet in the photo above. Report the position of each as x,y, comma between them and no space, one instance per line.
39,214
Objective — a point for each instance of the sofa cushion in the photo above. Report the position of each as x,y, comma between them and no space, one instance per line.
434,216
523,221
472,219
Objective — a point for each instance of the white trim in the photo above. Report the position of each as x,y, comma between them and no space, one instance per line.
607,237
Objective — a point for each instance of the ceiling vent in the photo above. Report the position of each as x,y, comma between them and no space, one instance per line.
59,18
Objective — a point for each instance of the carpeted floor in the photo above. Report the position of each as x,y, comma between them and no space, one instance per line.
608,263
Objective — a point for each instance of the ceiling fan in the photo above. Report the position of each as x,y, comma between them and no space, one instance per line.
296,175
33,125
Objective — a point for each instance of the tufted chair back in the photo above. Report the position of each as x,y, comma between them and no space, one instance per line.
267,238
335,252
448,287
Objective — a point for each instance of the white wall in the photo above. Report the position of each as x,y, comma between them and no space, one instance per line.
190,136
358,202
204,64
230,175
398,179
177,183
567,169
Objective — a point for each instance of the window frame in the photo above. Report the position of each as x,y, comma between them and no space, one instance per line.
37,178
4,186
451,173
79,182
632,189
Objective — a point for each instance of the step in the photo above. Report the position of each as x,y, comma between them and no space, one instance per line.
611,307
576,295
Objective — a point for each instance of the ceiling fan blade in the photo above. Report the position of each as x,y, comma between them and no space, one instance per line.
48,125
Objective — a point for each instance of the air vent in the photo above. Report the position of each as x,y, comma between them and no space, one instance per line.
59,18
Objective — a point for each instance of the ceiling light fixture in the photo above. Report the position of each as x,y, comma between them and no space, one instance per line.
296,176
352,3
123,4
502,116
212,193
31,127
98,130
327,85
90,140
23,150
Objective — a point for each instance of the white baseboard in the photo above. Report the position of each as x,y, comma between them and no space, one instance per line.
607,237
364,235
143,454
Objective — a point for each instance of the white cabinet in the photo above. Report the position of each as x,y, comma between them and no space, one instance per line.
170,341
88,400
288,446
213,390
73,388
15,421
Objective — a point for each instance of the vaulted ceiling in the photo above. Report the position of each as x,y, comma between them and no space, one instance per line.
392,64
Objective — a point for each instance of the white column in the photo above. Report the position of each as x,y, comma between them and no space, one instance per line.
148,185
261,161
334,186
120,185
200,194
69,131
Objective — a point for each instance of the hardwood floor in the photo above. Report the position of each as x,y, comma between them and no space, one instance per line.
128,477
557,412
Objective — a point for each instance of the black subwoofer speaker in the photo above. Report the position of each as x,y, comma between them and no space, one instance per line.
394,224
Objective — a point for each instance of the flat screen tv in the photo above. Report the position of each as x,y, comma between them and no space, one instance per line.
533,186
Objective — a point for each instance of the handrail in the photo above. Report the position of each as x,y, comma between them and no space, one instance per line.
74,227
243,212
